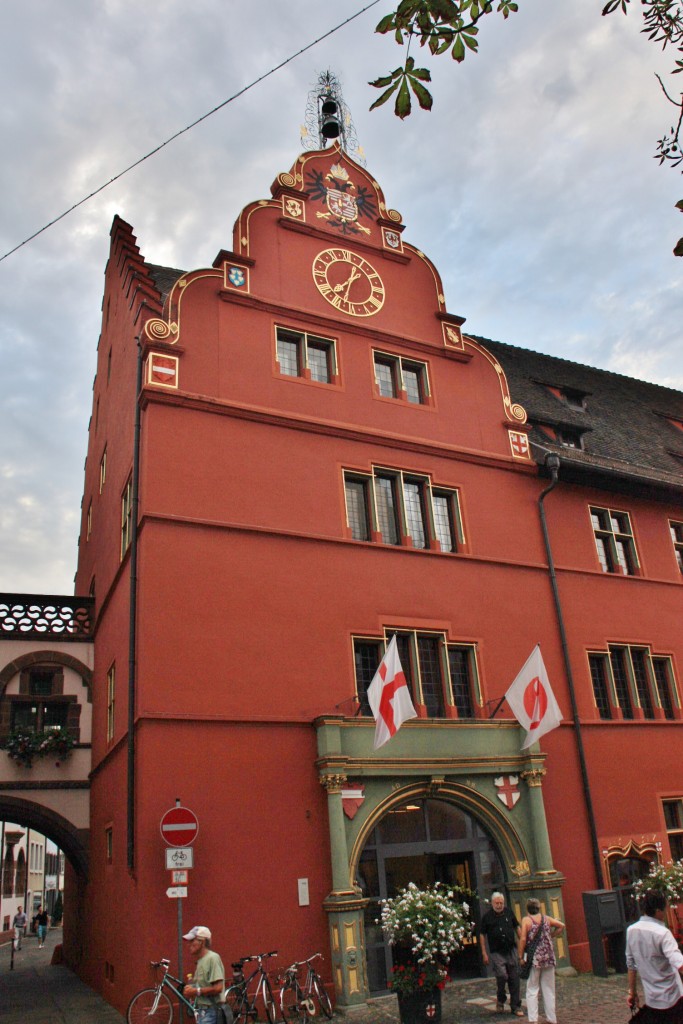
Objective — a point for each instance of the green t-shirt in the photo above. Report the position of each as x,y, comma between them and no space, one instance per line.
209,970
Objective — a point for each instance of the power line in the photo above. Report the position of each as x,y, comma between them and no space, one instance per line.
182,131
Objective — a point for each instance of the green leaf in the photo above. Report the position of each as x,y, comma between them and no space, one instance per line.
385,95
424,97
458,49
403,105
386,24
380,83
678,248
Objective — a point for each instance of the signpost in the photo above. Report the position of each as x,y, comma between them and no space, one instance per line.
179,827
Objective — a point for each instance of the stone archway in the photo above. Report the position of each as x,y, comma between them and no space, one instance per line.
73,841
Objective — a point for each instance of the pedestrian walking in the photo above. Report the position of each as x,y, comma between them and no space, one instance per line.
19,924
539,930
652,953
42,920
208,983
500,932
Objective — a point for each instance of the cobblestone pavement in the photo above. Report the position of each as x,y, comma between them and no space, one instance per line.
41,993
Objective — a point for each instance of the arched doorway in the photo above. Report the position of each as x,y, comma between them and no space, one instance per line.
423,840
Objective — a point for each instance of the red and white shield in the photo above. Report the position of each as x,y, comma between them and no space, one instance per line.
341,204
508,790
430,1010
352,797
519,444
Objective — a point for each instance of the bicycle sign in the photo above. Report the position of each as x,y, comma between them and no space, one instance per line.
179,857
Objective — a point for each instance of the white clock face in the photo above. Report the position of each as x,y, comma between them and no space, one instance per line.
348,282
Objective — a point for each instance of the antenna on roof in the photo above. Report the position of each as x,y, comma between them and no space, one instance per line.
328,118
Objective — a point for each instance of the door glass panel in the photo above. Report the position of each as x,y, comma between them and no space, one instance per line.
446,821
405,825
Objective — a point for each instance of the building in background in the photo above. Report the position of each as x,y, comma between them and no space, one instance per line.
294,454
32,873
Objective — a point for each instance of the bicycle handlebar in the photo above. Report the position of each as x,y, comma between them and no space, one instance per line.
300,963
256,956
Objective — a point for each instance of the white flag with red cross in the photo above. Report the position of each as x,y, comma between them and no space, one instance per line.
389,696
532,700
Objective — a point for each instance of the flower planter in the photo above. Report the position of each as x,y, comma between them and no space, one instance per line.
420,1007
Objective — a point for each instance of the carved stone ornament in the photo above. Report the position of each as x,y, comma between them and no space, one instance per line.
333,783
533,776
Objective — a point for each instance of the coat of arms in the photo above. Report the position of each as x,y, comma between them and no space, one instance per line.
508,789
345,204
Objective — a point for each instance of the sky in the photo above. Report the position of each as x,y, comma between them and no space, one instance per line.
531,185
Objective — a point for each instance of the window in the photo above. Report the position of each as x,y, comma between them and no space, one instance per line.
40,705
103,469
677,539
568,437
111,695
109,844
126,517
572,397
88,522
305,355
673,816
357,509
441,676
625,672
401,378
614,541
402,509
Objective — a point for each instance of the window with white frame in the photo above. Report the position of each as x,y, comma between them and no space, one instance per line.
439,673
677,541
400,508
103,470
111,702
673,816
614,541
397,377
305,355
126,516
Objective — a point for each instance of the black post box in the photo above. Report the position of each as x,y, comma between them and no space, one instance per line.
604,913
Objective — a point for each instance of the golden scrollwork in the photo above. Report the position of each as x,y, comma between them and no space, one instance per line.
520,867
160,330
333,783
394,215
286,179
533,776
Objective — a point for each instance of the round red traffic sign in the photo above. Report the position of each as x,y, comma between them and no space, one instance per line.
179,826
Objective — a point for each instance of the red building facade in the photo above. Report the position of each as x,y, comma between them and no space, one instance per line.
293,455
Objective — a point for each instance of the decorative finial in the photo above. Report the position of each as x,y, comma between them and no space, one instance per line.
328,117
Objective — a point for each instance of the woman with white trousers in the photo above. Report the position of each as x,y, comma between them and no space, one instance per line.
542,974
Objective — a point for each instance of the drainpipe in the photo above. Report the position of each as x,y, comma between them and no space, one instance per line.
552,463
132,638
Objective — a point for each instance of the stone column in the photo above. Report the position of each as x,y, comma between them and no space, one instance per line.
539,826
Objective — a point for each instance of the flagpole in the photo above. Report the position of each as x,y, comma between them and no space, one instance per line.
552,464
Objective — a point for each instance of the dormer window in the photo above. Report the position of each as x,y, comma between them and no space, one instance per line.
568,438
571,397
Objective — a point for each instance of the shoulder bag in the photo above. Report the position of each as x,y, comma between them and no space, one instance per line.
528,961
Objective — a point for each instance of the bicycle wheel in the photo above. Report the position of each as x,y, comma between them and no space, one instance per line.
320,993
140,1008
236,996
268,1000
290,1005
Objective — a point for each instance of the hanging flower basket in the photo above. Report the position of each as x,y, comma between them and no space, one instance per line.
25,747
427,925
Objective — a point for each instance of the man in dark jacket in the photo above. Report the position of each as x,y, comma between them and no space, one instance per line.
499,933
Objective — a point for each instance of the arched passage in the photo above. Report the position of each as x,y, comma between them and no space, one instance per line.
453,836
73,841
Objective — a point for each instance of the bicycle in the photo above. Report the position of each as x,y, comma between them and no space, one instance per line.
296,1001
153,1006
243,1005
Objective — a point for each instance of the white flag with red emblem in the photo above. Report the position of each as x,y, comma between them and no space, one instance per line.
532,699
389,696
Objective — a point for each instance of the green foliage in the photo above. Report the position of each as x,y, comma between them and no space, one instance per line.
25,747
408,978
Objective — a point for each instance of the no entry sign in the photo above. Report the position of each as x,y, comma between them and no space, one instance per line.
179,826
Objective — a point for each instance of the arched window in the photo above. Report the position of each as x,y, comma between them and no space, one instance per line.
8,873
20,879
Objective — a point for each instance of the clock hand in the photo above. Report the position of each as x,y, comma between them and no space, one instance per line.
354,275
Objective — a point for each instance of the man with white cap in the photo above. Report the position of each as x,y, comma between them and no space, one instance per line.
206,987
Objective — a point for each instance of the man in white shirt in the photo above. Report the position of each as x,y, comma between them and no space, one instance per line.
652,952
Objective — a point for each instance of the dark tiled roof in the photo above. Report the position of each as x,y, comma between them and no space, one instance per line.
164,278
625,428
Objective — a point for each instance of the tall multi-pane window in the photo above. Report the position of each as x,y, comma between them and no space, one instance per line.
641,676
405,508
661,668
673,816
396,378
387,512
126,516
620,675
111,701
614,541
438,674
598,669
103,470
413,496
88,522
677,540
356,489
305,355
